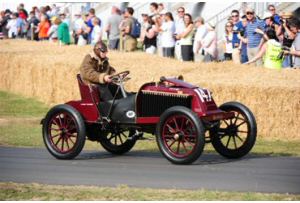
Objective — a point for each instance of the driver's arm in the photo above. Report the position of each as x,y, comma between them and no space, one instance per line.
88,72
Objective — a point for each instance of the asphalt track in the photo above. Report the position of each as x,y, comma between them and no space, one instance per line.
252,173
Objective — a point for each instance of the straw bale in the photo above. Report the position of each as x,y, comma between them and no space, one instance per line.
47,72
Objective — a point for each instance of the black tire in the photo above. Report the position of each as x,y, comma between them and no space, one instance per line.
240,130
115,144
181,127
69,128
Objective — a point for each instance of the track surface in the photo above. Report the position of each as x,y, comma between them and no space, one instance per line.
149,169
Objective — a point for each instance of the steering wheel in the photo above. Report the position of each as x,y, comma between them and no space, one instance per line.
120,77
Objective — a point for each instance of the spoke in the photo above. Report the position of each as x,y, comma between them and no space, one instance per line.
190,143
184,147
178,147
111,136
54,121
236,118
67,143
171,143
240,138
55,135
228,141
124,135
62,145
241,124
182,122
120,139
234,142
54,129
71,140
71,134
116,140
58,140
171,129
60,122
176,125
226,122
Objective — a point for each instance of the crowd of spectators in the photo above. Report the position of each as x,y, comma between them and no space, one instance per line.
271,40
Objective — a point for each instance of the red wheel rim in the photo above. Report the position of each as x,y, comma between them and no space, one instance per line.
62,131
179,135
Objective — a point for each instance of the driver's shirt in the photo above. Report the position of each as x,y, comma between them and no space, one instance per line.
93,69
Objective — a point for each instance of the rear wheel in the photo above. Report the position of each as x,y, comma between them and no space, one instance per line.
118,141
235,137
64,132
180,135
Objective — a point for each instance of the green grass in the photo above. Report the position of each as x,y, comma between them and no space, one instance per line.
12,105
33,191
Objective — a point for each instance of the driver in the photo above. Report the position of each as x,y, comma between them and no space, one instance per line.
96,70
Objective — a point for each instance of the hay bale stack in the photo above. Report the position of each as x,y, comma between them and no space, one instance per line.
47,72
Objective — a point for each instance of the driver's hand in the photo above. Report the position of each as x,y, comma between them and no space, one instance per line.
107,79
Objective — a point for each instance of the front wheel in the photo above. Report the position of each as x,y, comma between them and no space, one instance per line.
235,137
64,132
180,135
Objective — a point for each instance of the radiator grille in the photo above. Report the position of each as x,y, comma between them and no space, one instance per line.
153,104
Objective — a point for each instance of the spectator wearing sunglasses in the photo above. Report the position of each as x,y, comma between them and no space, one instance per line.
179,29
237,28
253,36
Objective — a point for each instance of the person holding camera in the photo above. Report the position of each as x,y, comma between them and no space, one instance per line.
295,49
96,70
270,51
286,36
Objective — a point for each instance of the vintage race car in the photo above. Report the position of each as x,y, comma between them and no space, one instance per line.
183,117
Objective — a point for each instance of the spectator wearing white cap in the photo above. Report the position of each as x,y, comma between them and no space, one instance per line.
253,35
209,44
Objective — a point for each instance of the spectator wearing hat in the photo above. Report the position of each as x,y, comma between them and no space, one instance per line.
276,17
112,28
294,25
253,36
209,44
180,27
236,29
53,31
201,32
